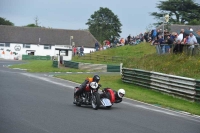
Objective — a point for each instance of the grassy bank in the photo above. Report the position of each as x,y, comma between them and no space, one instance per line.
143,56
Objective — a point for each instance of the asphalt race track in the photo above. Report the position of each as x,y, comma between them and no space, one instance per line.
39,103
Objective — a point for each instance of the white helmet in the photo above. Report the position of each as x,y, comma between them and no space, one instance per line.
121,93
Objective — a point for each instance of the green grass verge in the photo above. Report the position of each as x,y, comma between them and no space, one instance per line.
140,93
43,66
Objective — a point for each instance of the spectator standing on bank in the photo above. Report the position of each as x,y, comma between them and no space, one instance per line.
178,40
192,40
115,43
183,31
97,46
78,50
129,39
158,33
122,42
146,36
155,41
185,39
153,35
82,51
161,43
170,42
74,50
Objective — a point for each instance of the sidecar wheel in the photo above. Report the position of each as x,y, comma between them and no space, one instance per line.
108,107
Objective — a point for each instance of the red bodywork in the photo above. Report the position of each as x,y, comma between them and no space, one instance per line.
112,95
87,88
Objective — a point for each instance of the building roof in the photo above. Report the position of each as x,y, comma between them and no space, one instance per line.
31,35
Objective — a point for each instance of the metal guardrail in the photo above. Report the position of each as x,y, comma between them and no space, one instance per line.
55,64
34,57
179,86
94,67
185,49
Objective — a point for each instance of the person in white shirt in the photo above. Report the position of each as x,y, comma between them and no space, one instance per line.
192,40
178,47
179,38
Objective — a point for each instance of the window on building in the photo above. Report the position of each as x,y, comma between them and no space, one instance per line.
7,44
47,46
1,44
64,52
26,46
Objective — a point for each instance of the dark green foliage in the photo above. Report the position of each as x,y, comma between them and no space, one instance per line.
3,21
31,25
104,25
180,11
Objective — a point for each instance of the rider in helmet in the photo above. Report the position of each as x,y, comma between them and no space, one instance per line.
95,78
118,94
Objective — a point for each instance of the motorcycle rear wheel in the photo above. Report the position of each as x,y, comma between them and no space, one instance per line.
96,101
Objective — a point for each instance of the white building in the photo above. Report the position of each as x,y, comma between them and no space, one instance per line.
18,41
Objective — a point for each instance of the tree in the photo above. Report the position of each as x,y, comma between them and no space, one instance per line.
36,21
31,25
194,22
34,25
104,25
180,11
3,21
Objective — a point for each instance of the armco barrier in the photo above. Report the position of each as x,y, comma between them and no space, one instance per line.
71,64
180,86
55,64
112,68
92,67
33,57
197,90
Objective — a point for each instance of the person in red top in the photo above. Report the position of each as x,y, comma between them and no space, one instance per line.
74,50
107,43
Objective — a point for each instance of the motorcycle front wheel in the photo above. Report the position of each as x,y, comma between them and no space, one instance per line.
96,100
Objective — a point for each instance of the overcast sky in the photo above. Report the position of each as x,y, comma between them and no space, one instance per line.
73,14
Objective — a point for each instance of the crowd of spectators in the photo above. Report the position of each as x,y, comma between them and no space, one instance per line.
175,39
78,51
130,40
163,40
